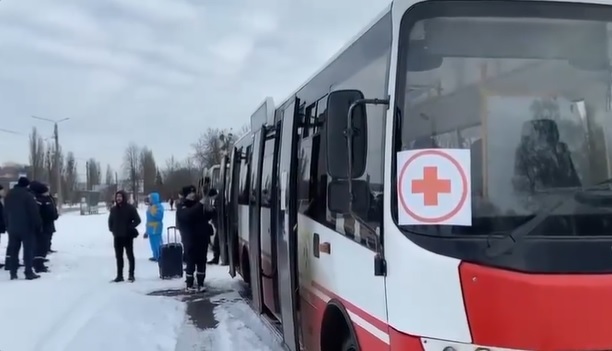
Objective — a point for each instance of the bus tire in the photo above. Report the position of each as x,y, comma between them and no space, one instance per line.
349,344
337,333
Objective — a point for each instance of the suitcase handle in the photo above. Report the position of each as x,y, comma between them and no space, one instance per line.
168,234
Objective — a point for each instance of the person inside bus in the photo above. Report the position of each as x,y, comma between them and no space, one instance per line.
541,160
425,142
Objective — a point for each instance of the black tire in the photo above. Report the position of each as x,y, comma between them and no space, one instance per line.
349,344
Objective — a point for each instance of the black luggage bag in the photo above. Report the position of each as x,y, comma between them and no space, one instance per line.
171,256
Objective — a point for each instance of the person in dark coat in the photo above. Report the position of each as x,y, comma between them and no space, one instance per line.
52,225
2,225
179,203
216,201
123,221
48,214
193,217
24,224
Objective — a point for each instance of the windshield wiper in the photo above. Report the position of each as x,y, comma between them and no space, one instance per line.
508,242
586,195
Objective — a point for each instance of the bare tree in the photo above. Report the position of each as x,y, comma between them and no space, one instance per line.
208,148
37,155
71,178
131,168
51,166
94,174
48,170
148,170
110,175
177,175
171,165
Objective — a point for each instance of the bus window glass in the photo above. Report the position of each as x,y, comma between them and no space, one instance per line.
368,81
243,190
531,101
266,173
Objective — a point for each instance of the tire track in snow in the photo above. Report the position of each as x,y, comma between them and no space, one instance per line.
68,325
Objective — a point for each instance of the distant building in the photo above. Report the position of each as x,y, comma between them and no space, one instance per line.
10,172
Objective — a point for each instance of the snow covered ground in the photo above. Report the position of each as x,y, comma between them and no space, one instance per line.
76,308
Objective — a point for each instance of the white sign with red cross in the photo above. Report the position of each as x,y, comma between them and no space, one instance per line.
434,187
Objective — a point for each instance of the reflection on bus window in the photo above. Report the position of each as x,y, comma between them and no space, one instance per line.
537,126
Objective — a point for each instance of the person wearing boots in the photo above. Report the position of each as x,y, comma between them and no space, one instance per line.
52,226
178,204
216,200
193,217
2,225
123,221
48,213
23,223
155,225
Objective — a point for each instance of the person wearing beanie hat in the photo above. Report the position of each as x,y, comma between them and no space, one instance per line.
193,220
23,182
179,203
48,213
23,223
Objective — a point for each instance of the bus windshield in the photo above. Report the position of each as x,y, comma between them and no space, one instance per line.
530,97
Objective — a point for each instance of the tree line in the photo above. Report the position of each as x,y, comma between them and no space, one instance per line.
142,174
139,172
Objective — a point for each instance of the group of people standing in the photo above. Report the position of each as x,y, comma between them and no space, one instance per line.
28,213
193,220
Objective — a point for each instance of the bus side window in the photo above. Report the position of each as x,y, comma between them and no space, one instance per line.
304,180
243,190
266,173
364,230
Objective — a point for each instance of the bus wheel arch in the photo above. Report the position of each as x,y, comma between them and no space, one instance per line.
337,331
245,265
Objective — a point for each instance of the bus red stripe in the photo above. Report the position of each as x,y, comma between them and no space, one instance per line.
356,310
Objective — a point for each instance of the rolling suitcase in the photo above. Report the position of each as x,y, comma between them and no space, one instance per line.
171,256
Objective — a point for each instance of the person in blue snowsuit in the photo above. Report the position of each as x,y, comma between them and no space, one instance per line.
155,225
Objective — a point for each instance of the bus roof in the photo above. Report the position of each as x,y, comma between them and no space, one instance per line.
243,137
338,53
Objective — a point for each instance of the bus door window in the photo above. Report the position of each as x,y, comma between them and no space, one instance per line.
245,170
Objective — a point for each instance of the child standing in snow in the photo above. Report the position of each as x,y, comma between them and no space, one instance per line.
155,225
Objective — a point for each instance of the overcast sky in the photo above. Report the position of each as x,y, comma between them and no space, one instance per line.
157,72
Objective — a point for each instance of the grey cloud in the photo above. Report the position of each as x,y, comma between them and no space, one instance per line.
157,72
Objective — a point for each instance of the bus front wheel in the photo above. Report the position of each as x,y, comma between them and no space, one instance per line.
349,344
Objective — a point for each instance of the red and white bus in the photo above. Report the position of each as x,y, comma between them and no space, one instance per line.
347,246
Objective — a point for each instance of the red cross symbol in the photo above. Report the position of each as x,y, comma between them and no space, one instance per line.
431,186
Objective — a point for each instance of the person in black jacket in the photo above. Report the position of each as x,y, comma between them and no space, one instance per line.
216,200
48,214
122,222
23,223
2,225
193,216
52,226
178,204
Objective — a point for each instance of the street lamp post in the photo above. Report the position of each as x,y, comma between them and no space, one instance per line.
58,170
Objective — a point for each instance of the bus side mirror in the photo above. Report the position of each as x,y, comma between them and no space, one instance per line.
338,197
336,132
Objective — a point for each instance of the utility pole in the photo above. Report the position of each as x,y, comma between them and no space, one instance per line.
58,169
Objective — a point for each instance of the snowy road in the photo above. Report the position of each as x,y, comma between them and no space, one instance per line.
75,308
